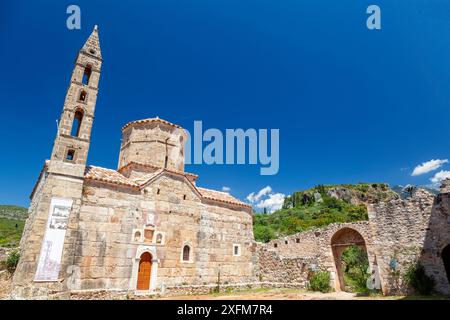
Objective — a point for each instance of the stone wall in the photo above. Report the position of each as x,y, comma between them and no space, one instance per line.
399,228
294,258
53,186
399,233
106,250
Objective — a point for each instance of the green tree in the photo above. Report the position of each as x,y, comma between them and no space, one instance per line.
356,264
263,233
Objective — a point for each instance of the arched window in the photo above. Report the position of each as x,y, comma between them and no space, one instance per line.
186,253
76,125
159,238
87,74
137,236
82,96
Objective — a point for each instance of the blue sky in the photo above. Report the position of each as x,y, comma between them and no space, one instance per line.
352,105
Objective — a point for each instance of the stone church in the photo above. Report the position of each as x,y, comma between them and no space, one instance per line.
147,227
142,227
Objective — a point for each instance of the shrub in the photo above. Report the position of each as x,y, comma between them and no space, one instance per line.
416,277
320,281
12,260
263,233
356,264
333,203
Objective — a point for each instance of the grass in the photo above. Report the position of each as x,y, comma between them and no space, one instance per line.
10,232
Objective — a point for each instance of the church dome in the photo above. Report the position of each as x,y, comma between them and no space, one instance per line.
155,142
149,120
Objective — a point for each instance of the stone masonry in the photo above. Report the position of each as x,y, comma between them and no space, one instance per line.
398,234
145,227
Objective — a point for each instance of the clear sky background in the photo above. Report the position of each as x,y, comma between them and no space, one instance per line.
352,105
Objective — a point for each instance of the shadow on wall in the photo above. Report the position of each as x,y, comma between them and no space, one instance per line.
413,230
435,254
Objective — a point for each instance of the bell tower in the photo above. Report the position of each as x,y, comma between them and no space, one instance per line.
71,146
57,196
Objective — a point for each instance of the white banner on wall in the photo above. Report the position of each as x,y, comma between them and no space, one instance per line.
51,251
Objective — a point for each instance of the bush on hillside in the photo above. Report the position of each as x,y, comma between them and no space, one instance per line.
12,260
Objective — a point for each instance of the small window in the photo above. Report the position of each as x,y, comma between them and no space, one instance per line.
186,253
159,238
158,191
82,96
285,242
184,197
275,245
137,236
70,155
92,51
236,250
297,240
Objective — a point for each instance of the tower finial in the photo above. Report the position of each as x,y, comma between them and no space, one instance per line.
92,44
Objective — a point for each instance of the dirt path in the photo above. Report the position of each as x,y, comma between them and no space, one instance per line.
273,294
5,284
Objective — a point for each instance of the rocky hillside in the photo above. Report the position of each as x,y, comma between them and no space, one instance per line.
355,194
320,206
407,191
13,212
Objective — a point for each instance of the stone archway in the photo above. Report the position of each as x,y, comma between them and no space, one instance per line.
446,259
144,272
340,241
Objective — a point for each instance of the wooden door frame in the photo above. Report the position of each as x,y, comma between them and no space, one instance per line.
154,272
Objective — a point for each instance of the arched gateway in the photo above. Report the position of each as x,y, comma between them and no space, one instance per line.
341,240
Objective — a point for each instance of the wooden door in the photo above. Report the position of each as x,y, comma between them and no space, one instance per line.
145,271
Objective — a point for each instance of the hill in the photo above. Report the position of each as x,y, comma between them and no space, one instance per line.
13,212
12,221
320,206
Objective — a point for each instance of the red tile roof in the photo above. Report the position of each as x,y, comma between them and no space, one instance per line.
148,120
145,165
115,177
108,175
221,196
